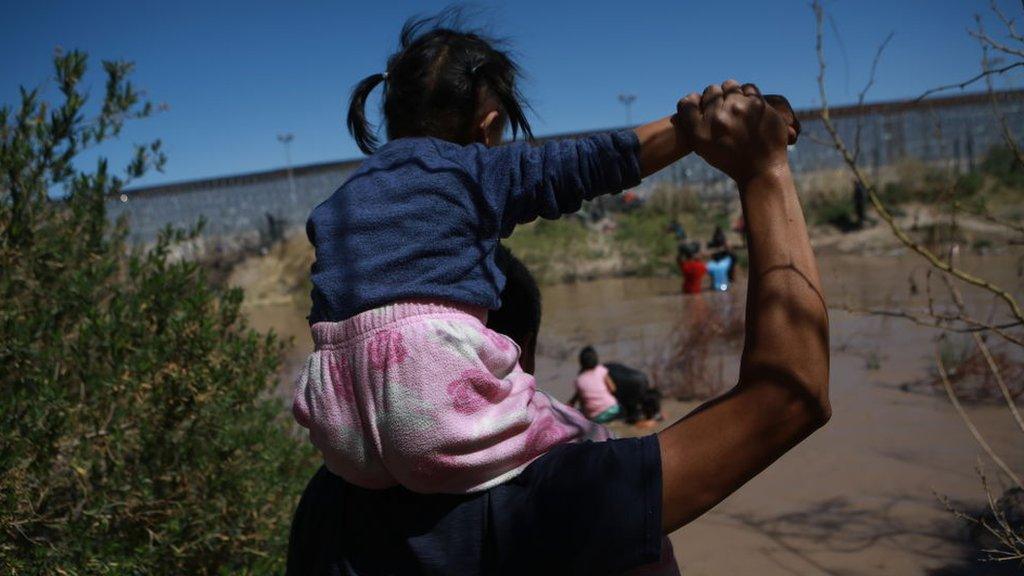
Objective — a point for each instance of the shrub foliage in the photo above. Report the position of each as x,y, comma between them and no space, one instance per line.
138,428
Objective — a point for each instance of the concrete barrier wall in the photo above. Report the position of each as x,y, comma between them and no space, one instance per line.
229,207
957,130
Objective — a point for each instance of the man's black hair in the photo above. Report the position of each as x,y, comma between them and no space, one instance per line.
717,238
689,250
434,84
520,310
684,251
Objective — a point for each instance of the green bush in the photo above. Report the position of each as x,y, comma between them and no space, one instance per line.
139,432
643,237
554,249
674,201
548,247
1002,164
916,182
832,210
896,193
968,185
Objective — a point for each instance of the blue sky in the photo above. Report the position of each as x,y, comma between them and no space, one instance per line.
235,74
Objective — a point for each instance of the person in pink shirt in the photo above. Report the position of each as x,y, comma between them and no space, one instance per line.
595,390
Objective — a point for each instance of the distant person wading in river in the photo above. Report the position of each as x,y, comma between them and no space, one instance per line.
691,267
720,270
595,389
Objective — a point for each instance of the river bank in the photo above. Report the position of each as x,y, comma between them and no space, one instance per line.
859,497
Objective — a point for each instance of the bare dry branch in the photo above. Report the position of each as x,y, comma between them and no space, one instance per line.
1007,22
970,424
969,81
1008,138
958,299
999,380
864,92
901,235
944,322
1011,539
988,216
1013,339
816,140
1004,532
995,44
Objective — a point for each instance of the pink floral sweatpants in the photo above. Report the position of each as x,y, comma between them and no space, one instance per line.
422,394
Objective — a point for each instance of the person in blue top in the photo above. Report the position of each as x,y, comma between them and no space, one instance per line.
718,270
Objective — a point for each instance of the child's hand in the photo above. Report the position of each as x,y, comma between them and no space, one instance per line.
735,130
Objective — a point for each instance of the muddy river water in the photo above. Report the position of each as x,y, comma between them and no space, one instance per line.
626,317
859,496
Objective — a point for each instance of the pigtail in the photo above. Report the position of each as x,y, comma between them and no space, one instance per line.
499,77
512,101
358,126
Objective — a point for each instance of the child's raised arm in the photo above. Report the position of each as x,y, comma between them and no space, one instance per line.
521,182
661,144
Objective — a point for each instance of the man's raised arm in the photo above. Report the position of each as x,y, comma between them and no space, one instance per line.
782,393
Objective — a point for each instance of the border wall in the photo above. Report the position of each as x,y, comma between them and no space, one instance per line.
244,209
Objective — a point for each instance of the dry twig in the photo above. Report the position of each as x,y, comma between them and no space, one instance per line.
901,235
958,298
863,93
944,376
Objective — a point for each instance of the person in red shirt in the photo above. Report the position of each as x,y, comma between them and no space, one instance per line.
692,268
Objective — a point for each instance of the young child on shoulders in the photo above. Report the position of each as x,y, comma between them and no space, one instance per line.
406,385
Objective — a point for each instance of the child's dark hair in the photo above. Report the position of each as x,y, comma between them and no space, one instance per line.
588,358
434,84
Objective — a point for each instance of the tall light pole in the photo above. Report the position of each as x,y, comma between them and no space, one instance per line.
286,140
627,101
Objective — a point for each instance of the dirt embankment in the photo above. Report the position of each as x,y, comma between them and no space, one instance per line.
925,224
281,276
621,245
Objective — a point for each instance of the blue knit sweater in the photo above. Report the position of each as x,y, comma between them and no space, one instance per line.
421,217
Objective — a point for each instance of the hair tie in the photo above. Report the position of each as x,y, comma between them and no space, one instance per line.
384,76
